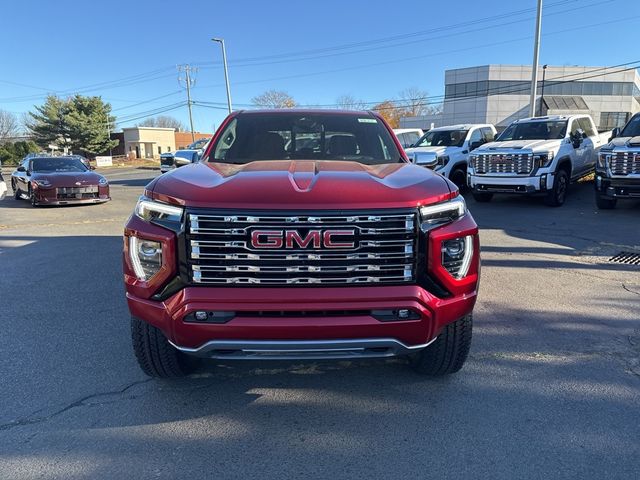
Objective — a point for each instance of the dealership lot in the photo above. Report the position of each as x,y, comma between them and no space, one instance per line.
551,390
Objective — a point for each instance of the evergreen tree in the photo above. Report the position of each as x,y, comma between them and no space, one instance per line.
79,123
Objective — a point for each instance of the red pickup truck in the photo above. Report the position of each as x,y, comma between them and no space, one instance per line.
301,234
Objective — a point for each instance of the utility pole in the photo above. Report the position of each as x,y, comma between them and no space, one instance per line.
189,82
534,70
226,70
544,74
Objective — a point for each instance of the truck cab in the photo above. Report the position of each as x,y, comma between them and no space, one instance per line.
446,149
618,167
536,155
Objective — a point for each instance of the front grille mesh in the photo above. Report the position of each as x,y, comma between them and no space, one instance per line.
220,251
625,163
513,163
67,193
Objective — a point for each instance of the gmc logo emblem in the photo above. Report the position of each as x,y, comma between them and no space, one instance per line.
294,239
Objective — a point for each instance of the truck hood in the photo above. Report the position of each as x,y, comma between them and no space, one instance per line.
300,184
436,150
533,145
626,142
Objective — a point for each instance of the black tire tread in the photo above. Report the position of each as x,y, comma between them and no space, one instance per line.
551,199
449,352
155,355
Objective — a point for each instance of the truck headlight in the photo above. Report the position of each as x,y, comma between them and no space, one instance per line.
442,161
543,159
456,256
432,216
145,256
603,160
151,211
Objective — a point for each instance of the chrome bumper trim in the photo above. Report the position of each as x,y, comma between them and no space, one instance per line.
302,349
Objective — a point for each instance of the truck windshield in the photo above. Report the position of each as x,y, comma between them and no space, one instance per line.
251,137
632,129
553,130
442,138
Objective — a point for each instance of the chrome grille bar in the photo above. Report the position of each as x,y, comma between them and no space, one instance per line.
625,163
220,250
512,163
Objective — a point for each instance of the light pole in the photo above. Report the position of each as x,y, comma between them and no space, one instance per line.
226,70
544,72
534,70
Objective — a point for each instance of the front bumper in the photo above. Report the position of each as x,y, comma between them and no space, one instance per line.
301,322
513,184
48,196
624,188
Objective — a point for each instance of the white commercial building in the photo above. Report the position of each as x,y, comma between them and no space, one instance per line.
499,94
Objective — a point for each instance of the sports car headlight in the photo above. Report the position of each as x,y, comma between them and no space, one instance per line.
543,159
43,183
151,211
146,257
103,182
432,216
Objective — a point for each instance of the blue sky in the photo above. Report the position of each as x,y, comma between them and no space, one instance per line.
127,51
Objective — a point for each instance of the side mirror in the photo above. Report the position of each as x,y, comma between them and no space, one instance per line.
424,159
615,133
20,169
181,162
476,144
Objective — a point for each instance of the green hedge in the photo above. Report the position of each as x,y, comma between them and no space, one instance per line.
12,153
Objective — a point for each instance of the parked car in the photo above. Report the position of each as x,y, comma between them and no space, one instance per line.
333,249
58,181
408,136
3,188
536,155
199,144
179,158
446,149
618,167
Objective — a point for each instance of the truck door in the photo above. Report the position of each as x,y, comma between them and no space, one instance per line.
579,153
589,143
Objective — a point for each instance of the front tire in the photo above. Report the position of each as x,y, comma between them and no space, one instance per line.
155,355
459,178
32,198
17,195
481,197
558,194
604,203
449,352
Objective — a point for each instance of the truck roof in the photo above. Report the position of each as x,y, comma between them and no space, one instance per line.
547,118
461,126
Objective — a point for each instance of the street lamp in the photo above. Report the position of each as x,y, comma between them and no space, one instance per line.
226,71
544,71
534,67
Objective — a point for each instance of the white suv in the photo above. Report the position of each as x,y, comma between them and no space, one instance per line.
408,136
446,149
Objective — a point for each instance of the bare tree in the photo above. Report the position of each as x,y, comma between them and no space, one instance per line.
163,121
9,125
274,99
349,102
415,102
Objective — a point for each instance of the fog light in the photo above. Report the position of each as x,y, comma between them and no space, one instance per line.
201,316
403,313
146,257
456,256
598,182
543,182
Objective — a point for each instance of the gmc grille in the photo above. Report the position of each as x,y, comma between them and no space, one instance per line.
513,163
625,163
220,249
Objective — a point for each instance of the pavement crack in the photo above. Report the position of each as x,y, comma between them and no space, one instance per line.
30,420
629,290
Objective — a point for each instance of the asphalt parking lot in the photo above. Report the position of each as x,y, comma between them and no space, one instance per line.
551,389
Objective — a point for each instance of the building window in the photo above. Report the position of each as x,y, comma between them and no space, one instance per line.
610,120
168,149
159,150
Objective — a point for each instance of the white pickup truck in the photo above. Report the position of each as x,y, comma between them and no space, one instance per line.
446,149
536,155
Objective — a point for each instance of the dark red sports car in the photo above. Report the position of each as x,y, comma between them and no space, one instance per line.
58,181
